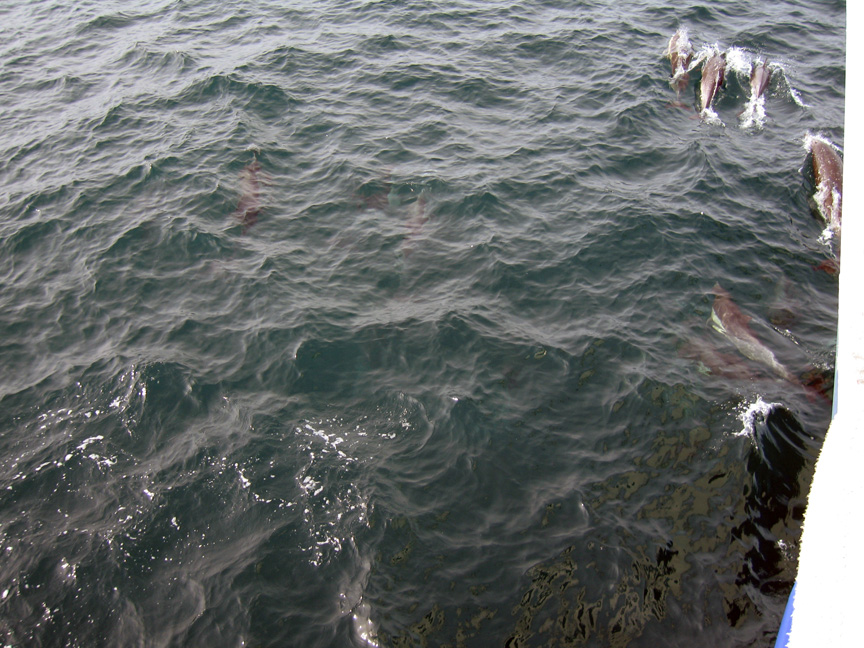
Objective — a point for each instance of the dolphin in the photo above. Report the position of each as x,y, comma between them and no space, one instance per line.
754,112
679,52
782,311
713,362
414,225
828,175
728,320
713,76
759,78
382,197
249,205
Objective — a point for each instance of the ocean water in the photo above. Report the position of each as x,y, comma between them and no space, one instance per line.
352,323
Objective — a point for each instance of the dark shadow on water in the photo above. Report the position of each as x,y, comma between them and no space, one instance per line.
772,499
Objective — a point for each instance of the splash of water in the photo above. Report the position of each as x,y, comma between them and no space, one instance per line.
752,413
753,115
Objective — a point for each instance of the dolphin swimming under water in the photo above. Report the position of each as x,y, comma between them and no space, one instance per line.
414,224
782,311
381,196
732,323
828,175
249,205
713,76
713,362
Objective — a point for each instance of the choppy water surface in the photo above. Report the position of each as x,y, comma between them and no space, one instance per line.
440,372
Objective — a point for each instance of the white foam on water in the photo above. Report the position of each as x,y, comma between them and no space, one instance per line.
364,629
796,97
332,502
703,54
712,118
753,115
351,602
739,61
750,414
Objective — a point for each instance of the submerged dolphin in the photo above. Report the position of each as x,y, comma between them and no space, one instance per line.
828,174
680,52
414,224
715,363
382,197
249,205
728,319
784,305
759,78
713,76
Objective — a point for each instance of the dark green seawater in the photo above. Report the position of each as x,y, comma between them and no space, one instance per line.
450,380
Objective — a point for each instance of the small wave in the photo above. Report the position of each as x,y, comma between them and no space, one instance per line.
796,97
151,61
110,23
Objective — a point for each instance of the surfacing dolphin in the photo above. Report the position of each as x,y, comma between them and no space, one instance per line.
828,175
728,320
713,76
680,53
754,112
759,79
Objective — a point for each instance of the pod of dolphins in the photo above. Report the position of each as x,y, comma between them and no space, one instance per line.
680,52
827,172
726,317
